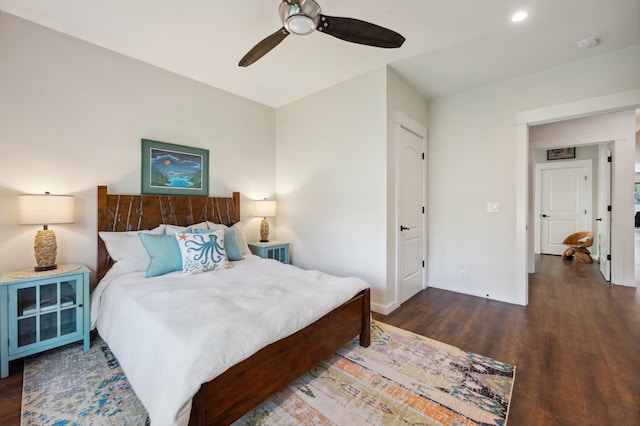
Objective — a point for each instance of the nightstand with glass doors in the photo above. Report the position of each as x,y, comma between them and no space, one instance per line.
41,311
271,250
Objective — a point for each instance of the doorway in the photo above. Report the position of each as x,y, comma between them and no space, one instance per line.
410,141
603,221
563,203
622,266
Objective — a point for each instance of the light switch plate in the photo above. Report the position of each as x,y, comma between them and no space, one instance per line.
493,208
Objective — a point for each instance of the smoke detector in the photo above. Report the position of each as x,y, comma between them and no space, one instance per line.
587,43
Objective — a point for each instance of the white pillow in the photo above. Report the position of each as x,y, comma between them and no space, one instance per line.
126,249
202,252
174,229
242,239
215,226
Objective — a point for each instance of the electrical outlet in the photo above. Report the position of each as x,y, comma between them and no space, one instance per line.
463,274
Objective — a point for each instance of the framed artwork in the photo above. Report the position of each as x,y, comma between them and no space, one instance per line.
561,153
169,169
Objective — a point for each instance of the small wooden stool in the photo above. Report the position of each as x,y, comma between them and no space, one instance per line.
578,244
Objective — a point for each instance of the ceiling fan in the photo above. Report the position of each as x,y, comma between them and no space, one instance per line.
302,17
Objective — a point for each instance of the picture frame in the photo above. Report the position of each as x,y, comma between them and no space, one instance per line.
170,169
561,153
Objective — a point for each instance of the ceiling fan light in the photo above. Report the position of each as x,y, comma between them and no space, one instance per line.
300,24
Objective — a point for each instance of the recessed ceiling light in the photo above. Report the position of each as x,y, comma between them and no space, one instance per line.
519,16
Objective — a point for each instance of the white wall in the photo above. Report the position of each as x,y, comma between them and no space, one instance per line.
335,178
331,179
72,115
581,131
401,98
472,161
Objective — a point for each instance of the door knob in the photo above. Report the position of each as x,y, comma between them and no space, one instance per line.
599,219
403,228
544,215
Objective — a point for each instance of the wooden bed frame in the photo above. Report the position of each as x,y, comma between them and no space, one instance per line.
245,385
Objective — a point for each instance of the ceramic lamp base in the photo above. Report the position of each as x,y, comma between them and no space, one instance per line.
264,231
45,249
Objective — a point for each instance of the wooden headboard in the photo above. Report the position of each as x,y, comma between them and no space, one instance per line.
119,213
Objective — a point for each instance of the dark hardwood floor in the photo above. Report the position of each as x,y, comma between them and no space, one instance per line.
576,345
11,395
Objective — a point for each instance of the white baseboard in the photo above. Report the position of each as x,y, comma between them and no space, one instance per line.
496,297
384,309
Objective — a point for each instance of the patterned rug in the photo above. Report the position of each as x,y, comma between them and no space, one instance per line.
67,386
401,379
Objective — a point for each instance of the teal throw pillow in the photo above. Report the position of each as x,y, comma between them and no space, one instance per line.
164,252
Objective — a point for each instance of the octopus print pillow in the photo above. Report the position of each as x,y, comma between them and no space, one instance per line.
202,252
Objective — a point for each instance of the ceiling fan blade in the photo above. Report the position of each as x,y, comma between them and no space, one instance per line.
262,48
361,32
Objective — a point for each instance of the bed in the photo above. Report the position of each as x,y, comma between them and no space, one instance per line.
245,384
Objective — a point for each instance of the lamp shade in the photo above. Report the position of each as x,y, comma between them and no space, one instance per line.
45,209
265,208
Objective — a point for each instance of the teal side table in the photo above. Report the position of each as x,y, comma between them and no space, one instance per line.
271,250
41,311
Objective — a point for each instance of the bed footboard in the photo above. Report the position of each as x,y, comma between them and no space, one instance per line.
245,385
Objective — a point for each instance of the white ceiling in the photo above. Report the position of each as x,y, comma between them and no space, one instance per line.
451,45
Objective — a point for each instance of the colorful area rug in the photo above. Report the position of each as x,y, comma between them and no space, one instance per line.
68,387
402,378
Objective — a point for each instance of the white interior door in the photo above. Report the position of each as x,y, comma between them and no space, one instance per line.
565,203
410,178
604,214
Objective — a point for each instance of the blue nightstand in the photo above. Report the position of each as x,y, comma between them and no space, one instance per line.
271,250
41,311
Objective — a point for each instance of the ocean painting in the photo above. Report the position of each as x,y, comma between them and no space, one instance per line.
174,169
171,169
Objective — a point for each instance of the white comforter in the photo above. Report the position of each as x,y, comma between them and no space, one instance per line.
172,333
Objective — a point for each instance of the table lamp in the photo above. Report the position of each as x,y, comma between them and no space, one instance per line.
265,208
45,209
